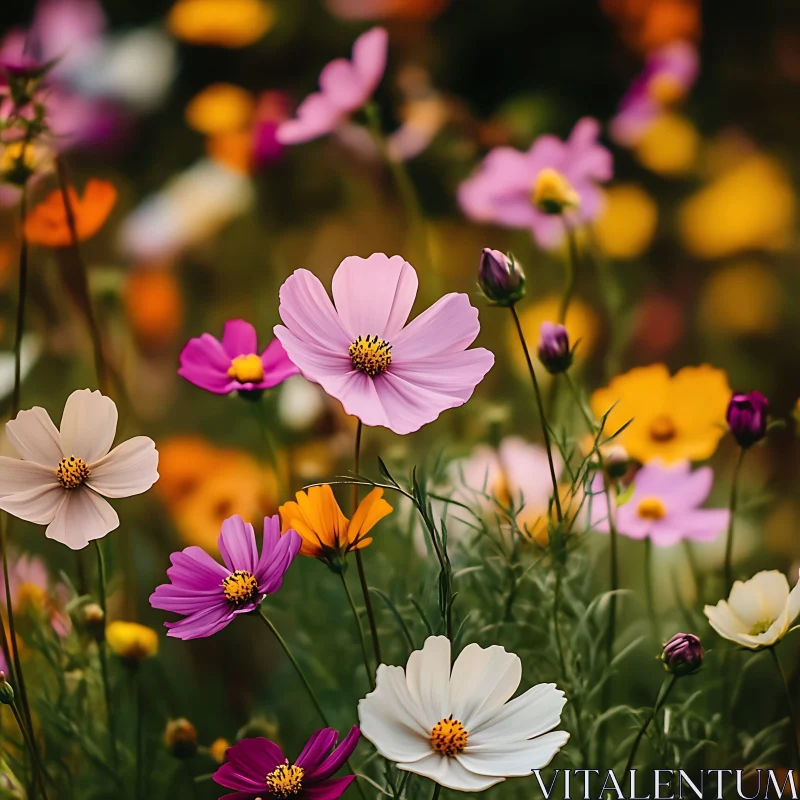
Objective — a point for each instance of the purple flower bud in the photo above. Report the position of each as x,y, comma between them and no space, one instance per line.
682,654
553,349
500,278
747,417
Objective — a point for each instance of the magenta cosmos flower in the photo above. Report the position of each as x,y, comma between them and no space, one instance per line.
344,87
502,189
362,352
234,365
257,768
211,595
665,506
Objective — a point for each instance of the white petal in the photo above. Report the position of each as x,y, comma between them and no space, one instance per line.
38,505
34,437
130,468
450,774
428,678
81,517
88,425
482,679
531,714
21,476
391,719
513,760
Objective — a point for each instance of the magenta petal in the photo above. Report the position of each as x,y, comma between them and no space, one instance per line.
277,365
271,577
449,325
248,763
330,789
237,545
204,363
334,762
195,568
201,624
239,339
317,747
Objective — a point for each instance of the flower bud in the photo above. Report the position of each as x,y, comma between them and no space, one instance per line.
682,654
500,278
553,193
132,642
6,691
747,417
218,748
181,738
553,349
617,462
94,621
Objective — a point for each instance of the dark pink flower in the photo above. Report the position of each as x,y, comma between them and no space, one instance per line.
234,365
747,417
345,86
257,768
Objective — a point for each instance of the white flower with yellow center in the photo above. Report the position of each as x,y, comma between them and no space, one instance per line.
758,613
62,477
460,727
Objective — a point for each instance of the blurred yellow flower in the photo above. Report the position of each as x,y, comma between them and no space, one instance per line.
669,146
581,323
742,298
674,418
218,748
626,227
327,534
750,206
221,23
220,108
131,641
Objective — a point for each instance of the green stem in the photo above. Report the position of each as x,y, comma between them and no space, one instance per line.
33,751
437,788
270,445
542,418
556,625
569,273
663,694
364,653
732,507
793,719
140,793
103,652
362,578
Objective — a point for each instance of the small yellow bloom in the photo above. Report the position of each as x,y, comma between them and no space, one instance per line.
131,641
221,23
326,533
674,417
552,193
669,146
220,108
628,222
218,748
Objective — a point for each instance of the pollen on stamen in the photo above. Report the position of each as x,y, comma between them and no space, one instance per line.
371,355
449,737
285,780
72,472
240,587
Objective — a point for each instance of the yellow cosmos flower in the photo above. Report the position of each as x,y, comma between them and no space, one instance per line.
628,222
220,23
220,108
131,641
674,418
327,534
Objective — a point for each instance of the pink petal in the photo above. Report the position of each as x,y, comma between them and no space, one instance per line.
81,517
451,374
88,425
239,339
341,85
357,394
130,468
38,505
369,59
277,365
205,363
314,117
21,476
34,437
313,361
374,295
237,545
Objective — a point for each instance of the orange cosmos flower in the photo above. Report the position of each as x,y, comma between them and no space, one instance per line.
326,533
46,224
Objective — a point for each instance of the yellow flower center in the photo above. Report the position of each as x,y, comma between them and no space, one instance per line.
285,780
371,355
449,737
761,627
662,429
240,587
552,192
72,472
247,369
651,508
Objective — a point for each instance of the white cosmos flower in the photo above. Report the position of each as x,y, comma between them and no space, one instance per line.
460,728
59,477
759,612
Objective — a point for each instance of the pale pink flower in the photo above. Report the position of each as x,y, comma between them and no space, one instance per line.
345,86
62,477
362,352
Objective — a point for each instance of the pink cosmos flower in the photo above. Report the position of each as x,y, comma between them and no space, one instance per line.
665,506
345,86
29,583
668,75
501,190
362,352
234,365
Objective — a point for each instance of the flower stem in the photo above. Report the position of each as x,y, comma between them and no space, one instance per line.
360,627
271,448
542,418
28,738
732,507
663,694
569,273
437,788
793,719
103,651
140,794
373,627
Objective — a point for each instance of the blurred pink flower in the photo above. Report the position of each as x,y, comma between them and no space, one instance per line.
362,352
667,76
501,189
345,86
664,506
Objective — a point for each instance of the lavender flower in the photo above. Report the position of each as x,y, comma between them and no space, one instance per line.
553,349
500,278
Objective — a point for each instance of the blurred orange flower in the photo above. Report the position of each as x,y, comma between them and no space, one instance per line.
220,108
221,23
153,306
649,24
46,224
674,417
